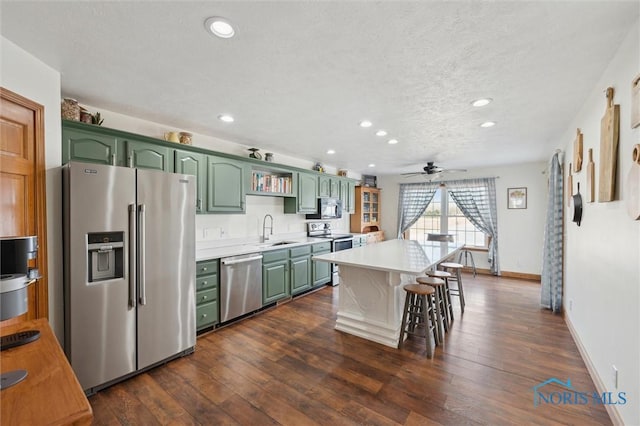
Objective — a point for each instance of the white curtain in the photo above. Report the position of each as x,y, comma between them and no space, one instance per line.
412,202
476,198
551,297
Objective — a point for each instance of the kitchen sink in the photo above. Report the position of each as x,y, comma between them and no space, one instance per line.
279,243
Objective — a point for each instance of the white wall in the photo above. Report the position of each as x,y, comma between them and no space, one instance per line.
602,257
520,232
27,76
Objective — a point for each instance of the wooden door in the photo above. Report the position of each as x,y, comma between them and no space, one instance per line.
23,186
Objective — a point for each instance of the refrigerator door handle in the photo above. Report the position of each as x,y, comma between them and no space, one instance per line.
141,254
132,255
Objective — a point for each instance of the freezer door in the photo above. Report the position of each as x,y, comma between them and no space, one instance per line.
100,320
166,277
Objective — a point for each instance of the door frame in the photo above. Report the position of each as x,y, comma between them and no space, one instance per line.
42,291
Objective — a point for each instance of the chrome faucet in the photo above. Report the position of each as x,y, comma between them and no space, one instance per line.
265,237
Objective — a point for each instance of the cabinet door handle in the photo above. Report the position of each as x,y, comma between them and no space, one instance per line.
204,297
204,268
113,159
130,159
199,204
204,315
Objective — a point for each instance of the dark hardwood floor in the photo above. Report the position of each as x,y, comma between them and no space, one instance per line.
289,366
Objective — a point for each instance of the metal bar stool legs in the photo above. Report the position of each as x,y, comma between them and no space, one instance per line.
418,309
457,272
469,254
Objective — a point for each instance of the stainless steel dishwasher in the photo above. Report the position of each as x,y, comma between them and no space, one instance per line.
240,285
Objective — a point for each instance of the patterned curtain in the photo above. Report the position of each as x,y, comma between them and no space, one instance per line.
412,202
551,297
476,198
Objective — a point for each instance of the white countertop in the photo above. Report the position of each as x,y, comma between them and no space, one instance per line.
403,256
207,253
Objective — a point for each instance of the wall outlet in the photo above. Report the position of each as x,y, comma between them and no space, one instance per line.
223,232
207,233
615,376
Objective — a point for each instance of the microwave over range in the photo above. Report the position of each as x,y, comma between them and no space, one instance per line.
328,208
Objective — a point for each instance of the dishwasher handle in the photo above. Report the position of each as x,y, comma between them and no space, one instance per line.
234,261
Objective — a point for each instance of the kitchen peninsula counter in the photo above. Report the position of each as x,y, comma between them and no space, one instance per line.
371,296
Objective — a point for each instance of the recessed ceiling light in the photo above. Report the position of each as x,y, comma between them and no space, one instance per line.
330,151
371,165
481,102
392,141
365,123
226,118
381,133
219,26
488,124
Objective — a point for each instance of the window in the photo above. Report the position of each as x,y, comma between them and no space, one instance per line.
443,216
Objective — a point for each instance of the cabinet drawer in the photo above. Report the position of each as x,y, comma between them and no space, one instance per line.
206,296
206,282
321,247
274,256
207,314
207,267
300,251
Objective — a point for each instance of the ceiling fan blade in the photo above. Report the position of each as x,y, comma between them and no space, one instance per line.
454,170
412,174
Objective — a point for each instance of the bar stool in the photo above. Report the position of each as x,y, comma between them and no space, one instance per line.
440,306
443,275
418,308
468,253
457,277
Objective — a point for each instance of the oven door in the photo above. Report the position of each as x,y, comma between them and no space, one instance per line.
337,245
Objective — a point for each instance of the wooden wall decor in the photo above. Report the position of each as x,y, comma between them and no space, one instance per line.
569,187
635,102
609,134
633,185
577,152
591,176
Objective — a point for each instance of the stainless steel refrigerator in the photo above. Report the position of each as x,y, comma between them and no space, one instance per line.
129,275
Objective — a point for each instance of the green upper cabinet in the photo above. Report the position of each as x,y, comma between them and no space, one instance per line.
307,197
89,147
328,186
195,164
144,155
225,185
347,195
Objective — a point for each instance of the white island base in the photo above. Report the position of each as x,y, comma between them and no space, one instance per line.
371,303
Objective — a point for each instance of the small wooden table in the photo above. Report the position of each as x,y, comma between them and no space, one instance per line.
51,393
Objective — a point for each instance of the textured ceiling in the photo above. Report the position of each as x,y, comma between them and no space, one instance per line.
299,76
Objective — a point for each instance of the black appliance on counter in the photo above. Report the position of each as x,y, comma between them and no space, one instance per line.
15,277
328,208
338,242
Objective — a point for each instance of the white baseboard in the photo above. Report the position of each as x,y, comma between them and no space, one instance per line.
614,415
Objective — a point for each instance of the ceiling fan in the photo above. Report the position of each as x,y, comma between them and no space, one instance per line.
433,170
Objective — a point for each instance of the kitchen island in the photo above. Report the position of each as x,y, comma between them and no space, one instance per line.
371,296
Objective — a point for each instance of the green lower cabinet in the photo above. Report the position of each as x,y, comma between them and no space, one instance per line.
300,274
89,147
144,155
207,309
275,281
321,272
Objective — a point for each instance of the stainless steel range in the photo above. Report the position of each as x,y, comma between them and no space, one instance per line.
338,242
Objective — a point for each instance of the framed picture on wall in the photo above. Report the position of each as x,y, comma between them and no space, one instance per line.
517,198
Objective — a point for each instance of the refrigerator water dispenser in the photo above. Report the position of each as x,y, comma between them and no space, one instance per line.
106,255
